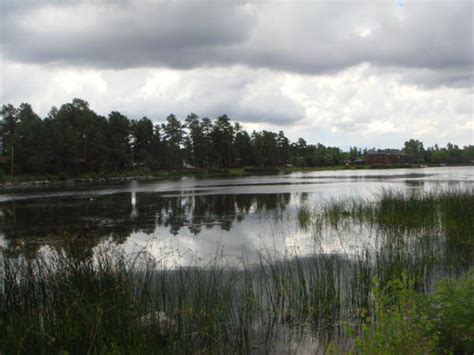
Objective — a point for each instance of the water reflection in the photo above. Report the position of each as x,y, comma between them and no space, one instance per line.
117,216
200,214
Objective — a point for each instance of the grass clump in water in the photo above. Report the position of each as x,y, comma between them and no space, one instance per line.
304,216
449,211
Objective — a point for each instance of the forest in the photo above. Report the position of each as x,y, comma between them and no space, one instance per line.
74,139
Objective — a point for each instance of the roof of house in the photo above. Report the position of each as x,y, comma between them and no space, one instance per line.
386,152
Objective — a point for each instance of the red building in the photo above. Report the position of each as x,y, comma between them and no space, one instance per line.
387,156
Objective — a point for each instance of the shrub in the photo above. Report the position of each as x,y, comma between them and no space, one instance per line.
400,324
452,310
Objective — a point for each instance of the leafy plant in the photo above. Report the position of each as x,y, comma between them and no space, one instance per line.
452,311
400,324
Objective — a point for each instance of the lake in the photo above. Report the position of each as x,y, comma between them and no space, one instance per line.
188,221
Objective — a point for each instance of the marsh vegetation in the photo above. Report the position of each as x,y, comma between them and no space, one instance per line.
362,300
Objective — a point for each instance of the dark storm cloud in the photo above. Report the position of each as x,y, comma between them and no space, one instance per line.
122,34
323,38
433,38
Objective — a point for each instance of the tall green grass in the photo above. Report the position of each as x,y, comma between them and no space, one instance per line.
111,303
451,210
402,216
304,215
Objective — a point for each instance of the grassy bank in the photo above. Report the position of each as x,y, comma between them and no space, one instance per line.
117,303
154,174
28,180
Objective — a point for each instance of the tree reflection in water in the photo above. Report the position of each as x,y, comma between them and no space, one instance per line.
78,224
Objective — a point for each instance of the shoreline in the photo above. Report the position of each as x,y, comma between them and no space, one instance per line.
38,181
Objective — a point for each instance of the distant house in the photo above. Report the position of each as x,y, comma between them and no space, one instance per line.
386,156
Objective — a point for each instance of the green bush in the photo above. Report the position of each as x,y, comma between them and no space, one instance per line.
408,322
400,324
452,310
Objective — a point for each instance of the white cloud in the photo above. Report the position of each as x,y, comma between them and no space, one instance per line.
361,105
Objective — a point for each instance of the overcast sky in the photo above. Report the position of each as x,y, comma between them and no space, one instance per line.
341,72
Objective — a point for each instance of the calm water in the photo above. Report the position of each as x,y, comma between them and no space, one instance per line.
191,220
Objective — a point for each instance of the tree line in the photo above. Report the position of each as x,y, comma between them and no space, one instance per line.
451,154
75,139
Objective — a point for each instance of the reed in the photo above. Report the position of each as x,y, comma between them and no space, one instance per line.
304,216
